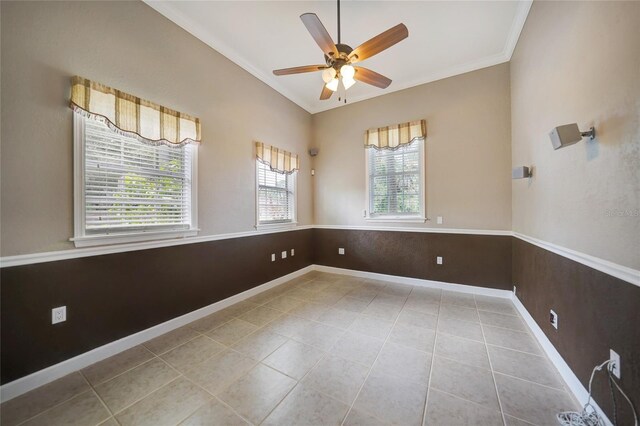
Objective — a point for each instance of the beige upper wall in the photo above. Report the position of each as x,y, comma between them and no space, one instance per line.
468,153
129,46
579,62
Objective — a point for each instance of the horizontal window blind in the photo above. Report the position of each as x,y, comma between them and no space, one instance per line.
276,197
129,185
395,185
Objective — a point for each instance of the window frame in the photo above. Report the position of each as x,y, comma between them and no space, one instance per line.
280,224
420,217
83,239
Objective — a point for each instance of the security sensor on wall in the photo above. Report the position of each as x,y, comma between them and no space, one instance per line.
313,152
569,134
521,172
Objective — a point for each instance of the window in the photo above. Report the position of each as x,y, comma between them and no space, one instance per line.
276,196
126,190
395,182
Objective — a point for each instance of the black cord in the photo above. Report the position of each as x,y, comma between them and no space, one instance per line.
338,21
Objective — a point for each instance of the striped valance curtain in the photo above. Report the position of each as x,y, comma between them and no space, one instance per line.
278,160
131,116
395,136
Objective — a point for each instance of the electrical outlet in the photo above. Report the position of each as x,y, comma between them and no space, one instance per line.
439,220
340,250
553,319
58,314
293,252
284,254
614,366
439,260
514,289
273,257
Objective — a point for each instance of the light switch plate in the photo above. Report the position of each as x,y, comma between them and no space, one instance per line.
340,250
439,220
58,314
293,252
439,260
273,257
284,254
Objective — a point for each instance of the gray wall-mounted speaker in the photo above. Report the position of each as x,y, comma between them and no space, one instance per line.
566,135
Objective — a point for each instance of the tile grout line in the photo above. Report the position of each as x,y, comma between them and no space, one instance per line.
493,375
99,399
375,360
433,356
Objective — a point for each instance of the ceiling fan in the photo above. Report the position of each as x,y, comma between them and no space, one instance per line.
339,58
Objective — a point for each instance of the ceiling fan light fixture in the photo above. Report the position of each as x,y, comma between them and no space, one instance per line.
347,72
333,84
348,82
328,75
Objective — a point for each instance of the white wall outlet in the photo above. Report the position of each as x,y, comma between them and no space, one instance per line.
58,314
340,250
293,252
439,260
284,254
273,257
614,366
553,319
439,220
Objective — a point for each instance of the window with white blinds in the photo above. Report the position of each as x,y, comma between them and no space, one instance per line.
276,196
396,181
130,187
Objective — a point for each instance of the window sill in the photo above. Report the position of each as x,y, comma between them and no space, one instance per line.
397,219
101,240
276,226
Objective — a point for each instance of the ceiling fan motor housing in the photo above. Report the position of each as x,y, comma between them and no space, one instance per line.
343,58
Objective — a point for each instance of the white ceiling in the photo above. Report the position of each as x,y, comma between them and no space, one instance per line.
445,39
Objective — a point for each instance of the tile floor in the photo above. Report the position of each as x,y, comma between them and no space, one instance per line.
320,350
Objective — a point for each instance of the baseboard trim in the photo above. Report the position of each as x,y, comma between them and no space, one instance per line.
462,288
572,381
51,373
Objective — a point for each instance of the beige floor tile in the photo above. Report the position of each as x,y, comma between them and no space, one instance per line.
117,364
170,340
511,339
231,332
371,326
462,350
305,406
260,315
329,296
358,418
414,337
397,289
310,311
512,421
382,310
301,293
495,304
358,348
166,406
501,320
316,285
424,293
525,366
260,344
351,304
284,303
254,395
364,293
459,328
417,319
467,382
216,373
239,308
192,352
287,325
424,305
214,413
459,313
407,363
294,359
444,409
457,298
210,322
319,335
532,402
392,399
131,386
338,378
338,318
390,299
38,400
84,409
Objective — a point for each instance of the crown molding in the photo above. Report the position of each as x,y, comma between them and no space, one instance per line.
167,9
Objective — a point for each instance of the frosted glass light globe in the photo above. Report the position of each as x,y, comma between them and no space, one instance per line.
328,75
347,71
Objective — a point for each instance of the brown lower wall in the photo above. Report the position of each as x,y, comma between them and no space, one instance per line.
479,260
112,296
596,312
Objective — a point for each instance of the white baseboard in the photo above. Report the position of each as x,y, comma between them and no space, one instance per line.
51,373
573,383
462,288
